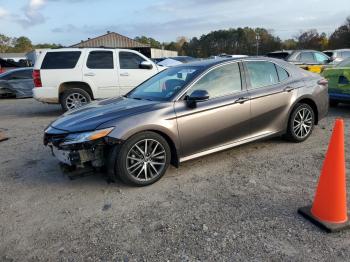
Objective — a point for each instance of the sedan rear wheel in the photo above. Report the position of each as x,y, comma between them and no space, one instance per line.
143,159
301,123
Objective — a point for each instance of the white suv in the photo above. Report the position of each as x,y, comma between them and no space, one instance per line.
75,76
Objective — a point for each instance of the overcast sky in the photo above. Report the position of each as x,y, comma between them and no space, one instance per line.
69,21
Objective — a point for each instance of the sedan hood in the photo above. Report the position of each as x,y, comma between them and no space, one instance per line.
93,115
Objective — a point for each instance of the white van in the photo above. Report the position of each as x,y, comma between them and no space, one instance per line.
74,76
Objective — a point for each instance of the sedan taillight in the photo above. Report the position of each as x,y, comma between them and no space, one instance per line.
37,78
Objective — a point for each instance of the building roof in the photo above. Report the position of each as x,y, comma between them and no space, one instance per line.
110,40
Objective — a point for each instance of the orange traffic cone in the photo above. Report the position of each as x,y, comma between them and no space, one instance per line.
329,210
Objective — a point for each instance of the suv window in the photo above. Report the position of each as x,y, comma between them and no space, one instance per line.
262,73
220,81
100,60
320,58
61,60
130,60
307,57
282,73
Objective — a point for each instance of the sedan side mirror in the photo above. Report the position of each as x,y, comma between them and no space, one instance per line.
146,65
197,96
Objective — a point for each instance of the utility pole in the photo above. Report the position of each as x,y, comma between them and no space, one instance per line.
257,37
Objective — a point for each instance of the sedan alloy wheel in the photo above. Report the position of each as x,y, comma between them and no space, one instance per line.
146,160
301,123
141,160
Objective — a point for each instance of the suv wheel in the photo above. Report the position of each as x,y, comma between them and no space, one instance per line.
74,98
301,123
141,160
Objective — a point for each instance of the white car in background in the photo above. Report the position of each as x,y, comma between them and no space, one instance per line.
73,77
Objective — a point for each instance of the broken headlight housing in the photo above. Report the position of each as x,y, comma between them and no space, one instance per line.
77,138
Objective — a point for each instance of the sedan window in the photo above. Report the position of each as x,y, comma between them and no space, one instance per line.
321,59
345,54
282,74
307,57
220,81
262,73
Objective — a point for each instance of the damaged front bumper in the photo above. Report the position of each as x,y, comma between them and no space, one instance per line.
93,156
77,149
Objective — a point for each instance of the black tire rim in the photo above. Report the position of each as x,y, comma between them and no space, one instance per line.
302,123
75,100
146,160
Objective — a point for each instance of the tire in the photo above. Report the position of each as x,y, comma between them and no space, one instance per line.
333,103
300,134
74,98
135,168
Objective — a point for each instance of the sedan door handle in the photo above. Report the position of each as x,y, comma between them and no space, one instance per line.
289,88
89,74
124,74
242,100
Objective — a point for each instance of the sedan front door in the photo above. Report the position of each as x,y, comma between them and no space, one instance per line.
219,121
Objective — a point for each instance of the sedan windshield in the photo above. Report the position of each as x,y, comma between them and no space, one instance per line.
167,84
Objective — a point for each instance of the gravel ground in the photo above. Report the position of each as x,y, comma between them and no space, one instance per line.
239,204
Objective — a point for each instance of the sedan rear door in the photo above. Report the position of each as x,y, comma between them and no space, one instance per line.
272,92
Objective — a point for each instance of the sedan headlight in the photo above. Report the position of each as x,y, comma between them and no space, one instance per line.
76,138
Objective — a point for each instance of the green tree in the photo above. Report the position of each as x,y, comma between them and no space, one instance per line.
312,40
46,45
341,36
289,44
5,43
148,41
22,44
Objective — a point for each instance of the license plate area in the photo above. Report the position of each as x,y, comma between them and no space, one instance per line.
62,155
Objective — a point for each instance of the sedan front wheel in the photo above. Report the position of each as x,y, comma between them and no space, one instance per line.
143,159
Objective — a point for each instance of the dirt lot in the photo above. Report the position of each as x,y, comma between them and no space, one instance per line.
235,205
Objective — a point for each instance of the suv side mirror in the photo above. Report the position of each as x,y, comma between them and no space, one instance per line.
146,65
196,96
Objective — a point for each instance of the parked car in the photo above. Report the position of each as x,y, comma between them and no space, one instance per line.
176,60
281,54
231,56
74,76
17,83
184,59
337,55
313,61
189,111
339,82
169,62
7,65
